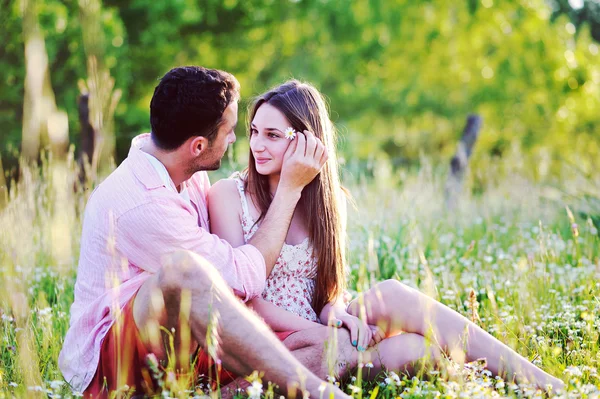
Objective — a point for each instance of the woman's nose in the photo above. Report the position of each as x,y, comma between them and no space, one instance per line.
257,144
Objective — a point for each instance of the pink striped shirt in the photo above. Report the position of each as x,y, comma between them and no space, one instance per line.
131,221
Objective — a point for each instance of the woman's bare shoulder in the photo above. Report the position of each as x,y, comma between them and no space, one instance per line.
224,192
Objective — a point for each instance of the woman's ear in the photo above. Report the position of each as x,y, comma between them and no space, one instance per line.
197,145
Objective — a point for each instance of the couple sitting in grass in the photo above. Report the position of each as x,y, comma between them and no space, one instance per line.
157,283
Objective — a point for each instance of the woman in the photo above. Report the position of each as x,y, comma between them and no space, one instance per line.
395,326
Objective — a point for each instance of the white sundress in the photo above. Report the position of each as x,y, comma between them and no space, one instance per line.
291,284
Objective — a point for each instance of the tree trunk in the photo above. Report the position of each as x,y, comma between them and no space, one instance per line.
42,122
460,161
3,188
88,134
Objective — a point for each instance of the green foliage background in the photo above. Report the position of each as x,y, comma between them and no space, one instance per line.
401,76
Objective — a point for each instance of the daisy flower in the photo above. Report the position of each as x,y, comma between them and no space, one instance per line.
255,390
290,133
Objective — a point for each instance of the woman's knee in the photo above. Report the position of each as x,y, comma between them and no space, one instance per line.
409,351
385,298
394,290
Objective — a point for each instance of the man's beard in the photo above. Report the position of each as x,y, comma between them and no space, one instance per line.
198,165
214,166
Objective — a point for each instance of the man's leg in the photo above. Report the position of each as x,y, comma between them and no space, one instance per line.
322,352
188,288
325,351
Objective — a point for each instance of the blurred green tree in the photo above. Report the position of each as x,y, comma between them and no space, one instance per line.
400,76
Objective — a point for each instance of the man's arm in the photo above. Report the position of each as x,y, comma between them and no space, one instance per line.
149,232
303,160
270,236
224,208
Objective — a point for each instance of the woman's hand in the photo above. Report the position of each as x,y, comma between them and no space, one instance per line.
377,335
361,334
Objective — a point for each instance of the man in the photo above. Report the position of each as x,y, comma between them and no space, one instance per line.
148,263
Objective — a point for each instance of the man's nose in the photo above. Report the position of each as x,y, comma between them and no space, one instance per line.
233,138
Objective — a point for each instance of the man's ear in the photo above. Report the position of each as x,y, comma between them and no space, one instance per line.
198,145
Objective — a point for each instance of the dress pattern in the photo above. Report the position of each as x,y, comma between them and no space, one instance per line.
291,284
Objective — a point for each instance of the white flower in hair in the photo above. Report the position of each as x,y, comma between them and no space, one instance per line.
290,133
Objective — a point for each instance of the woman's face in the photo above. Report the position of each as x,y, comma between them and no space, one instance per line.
267,141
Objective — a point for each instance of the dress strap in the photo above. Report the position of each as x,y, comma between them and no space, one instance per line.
239,182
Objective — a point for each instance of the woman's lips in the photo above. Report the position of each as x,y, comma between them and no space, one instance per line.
262,161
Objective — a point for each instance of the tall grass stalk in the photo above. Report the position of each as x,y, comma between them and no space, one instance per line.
511,249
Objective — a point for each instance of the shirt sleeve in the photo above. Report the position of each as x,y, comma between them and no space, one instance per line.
148,232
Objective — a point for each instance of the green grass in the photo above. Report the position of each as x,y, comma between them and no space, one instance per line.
533,267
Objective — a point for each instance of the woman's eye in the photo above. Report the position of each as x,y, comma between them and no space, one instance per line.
274,135
253,131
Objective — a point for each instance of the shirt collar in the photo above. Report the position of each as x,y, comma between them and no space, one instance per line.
141,165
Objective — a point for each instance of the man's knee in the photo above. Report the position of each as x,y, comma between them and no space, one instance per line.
313,338
310,346
342,356
331,350
184,270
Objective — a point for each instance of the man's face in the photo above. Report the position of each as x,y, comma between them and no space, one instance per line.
211,158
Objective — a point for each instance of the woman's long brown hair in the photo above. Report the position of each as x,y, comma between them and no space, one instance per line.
305,109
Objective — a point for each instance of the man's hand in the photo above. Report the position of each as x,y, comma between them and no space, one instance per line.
302,161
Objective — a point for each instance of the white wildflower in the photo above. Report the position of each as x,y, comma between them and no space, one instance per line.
574,371
7,318
255,390
290,133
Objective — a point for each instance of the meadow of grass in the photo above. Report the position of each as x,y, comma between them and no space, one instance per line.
519,255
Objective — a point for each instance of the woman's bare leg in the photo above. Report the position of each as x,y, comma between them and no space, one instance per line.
394,307
403,353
